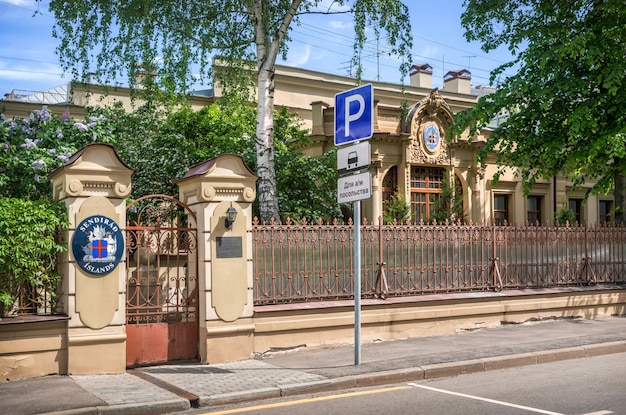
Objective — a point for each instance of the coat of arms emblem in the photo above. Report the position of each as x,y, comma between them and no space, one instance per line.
97,245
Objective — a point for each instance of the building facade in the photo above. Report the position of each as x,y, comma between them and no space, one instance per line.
412,149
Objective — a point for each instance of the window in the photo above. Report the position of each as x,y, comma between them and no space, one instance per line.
605,211
390,185
575,205
425,190
500,209
533,210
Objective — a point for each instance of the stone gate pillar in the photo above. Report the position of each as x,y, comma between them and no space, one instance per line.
93,184
214,189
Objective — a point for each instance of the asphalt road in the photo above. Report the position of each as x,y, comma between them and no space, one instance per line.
591,386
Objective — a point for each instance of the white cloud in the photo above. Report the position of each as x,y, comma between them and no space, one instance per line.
300,58
336,24
20,3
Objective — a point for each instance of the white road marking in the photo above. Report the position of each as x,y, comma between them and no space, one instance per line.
478,398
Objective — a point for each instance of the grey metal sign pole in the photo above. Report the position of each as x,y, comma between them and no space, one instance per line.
357,282
354,121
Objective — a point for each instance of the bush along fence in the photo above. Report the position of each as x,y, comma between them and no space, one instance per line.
29,243
298,262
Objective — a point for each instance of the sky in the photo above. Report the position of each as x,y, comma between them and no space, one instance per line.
322,43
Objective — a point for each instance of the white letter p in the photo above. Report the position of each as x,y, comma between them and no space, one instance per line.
353,117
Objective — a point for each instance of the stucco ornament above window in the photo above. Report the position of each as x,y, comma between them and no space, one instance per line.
428,121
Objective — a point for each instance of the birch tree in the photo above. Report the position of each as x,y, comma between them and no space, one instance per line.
179,39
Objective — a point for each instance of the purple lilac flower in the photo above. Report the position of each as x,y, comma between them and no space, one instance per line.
65,117
3,117
63,158
42,114
39,164
52,152
98,118
45,115
81,127
36,178
29,144
59,133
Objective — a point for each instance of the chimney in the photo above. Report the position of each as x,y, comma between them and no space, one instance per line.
90,78
143,75
459,81
421,75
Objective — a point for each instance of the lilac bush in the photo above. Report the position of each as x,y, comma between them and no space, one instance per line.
36,145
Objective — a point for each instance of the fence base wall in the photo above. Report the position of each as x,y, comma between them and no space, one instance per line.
226,342
32,349
332,324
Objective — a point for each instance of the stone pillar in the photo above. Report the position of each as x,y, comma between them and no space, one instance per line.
225,282
480,207
317,117
93,184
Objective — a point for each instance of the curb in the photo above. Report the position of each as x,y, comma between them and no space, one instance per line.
431,371
440,370
148,408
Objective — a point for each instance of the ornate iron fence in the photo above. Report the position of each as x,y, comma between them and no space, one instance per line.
314,262
34,300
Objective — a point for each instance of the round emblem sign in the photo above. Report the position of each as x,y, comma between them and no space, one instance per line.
98,245
431,137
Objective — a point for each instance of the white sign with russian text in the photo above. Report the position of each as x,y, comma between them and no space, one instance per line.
355,187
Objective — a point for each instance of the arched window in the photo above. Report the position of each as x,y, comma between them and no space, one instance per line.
390,185
425,191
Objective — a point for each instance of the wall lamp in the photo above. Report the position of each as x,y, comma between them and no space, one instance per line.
231,215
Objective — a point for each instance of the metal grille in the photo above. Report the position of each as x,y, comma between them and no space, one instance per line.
161,280
313,262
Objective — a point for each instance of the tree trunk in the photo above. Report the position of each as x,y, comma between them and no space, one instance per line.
264,143
267,46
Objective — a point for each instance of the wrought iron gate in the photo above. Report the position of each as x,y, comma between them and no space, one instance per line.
161,281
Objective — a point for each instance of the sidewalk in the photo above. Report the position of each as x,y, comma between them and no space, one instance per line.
171,388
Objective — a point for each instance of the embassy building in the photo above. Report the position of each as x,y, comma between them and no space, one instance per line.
412,154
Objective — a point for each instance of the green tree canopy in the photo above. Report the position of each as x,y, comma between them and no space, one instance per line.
565,106
178,40
162,145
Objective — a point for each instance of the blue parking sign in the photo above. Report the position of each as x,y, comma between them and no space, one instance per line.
354,114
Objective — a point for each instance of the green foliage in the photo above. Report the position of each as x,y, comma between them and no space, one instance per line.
449,203
179,41
307,186
163,146
564,216
565,104
28,247
396,209
33,147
